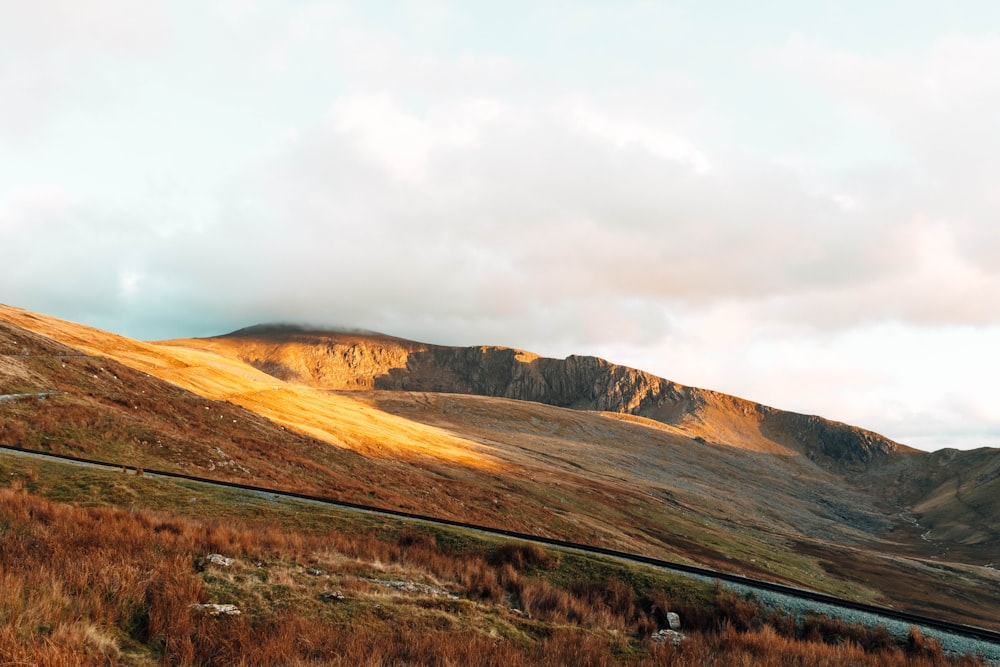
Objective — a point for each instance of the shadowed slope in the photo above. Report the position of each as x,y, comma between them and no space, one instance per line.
953,498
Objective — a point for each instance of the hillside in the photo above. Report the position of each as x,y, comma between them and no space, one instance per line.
638,463
130,573
955,493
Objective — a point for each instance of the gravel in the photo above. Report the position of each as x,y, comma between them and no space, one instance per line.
951,643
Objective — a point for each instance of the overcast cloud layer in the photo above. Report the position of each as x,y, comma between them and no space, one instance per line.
798,206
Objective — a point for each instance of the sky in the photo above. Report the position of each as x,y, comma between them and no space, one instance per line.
796,203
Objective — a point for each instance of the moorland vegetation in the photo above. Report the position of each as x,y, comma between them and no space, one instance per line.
111,580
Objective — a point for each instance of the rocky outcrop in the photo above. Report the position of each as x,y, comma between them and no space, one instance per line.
217,609
668,637
332,360
580,382
219,559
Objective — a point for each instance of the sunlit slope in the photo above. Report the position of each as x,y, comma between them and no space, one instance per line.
337,419
503,435
526,483
61,399
697,418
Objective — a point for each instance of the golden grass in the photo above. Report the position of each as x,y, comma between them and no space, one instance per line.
330,417
717,426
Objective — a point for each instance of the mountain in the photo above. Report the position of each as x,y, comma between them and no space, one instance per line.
352,361
579,448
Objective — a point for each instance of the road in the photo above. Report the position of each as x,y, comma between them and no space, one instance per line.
42,395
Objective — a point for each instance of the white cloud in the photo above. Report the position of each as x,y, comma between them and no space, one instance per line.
129,283
112,25
623,134
848,202
53,51
563,179
396,140
938,105
401,142
41,204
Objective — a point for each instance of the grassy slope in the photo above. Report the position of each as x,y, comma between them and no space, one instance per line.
955,494
95,583
114,412
624,482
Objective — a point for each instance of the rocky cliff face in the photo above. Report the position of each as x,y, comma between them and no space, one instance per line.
590,383
578,382
369,361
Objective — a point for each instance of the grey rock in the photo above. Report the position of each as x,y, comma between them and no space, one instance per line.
413,587
217,609
668,636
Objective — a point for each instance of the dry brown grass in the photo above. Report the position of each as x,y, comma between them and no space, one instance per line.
100,585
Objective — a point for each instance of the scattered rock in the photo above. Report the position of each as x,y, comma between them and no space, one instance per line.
217,609
331,596
219,559
664,636
314,572
413,587
673,620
